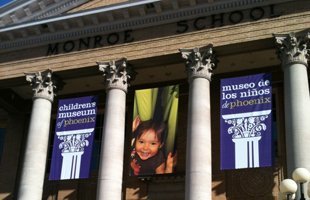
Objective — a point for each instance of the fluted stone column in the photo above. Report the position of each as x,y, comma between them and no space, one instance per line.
198,185
116,79
33,170
293,50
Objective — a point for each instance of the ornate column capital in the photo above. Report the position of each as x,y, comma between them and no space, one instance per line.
199,64
116,74
293,48
43,85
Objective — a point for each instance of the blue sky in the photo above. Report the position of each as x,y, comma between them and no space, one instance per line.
3,2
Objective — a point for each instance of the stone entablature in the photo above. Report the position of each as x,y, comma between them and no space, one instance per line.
133,16
13,64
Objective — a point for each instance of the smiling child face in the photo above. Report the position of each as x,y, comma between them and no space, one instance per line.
147,145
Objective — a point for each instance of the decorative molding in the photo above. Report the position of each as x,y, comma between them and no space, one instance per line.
59,8
199,64
14,6
293,48
117,74
47,10
255,183
134,22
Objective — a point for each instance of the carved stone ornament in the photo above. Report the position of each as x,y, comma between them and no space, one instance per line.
293,48
254,183
117,74
42,84
199,64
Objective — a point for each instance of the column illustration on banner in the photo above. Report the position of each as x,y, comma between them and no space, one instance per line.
246,130
246,122
75,125
72,149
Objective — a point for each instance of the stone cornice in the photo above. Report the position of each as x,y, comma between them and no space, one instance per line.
27,10
57,9
134,22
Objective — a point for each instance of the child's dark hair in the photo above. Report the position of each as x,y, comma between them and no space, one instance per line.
158,127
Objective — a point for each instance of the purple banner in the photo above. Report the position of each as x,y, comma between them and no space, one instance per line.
246,122
73,140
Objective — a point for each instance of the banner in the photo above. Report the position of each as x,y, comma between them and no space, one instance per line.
72,150
246,122
154,124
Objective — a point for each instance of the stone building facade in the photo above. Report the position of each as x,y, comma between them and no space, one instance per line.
47,40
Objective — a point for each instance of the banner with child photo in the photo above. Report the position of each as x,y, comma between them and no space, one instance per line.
153,149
